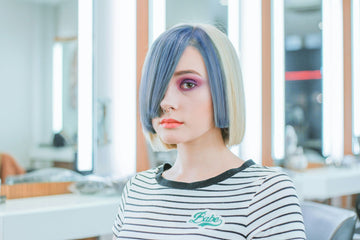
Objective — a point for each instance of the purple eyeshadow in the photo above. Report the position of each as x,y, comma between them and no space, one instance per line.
185,80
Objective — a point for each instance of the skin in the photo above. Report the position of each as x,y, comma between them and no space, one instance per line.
202,153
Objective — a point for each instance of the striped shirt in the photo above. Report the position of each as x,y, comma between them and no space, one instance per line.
249,202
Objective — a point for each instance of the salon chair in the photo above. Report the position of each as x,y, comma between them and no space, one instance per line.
357,228
357,205
325,222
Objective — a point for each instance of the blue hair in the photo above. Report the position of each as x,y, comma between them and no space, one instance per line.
161,62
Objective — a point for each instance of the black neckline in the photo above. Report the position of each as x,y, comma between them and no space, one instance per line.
199,184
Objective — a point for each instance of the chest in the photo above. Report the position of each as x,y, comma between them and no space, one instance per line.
163,212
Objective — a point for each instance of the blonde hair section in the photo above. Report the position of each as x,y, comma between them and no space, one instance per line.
157,144
234,90
234,85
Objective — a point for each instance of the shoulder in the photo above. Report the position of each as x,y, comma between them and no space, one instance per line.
261,175
276,178
150,173
144,178
274,209
270,182
273,186
265,172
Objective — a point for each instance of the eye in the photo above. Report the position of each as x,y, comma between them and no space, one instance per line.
187,85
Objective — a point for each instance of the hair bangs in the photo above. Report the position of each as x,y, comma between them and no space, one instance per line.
159,66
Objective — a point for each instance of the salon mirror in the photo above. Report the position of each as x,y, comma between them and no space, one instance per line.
303,78
39,85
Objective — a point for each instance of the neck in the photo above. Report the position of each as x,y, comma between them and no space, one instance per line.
202,158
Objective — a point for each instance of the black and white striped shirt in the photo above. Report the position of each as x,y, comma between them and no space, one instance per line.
249,202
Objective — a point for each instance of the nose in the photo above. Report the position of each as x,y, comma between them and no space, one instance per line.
170,100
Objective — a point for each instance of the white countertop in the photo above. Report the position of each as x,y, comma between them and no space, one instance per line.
327,182
67,216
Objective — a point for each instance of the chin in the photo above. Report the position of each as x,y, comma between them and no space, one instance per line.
170,139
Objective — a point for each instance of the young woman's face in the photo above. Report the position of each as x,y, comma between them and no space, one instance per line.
187,105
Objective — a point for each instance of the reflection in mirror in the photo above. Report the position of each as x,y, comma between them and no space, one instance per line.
303,81
356,74
64,89
314,83
29,30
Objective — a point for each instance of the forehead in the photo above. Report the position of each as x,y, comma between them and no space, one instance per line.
191,59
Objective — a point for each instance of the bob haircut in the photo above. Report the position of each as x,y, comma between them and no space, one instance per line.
224,73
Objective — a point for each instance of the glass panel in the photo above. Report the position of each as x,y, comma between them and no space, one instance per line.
303,80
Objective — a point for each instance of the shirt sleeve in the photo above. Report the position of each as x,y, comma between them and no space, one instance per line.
274,211
119,219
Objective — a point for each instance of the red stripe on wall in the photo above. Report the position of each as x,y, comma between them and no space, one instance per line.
303,75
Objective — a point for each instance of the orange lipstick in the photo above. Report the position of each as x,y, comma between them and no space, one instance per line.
170,123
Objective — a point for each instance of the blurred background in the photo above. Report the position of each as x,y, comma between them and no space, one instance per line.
70,71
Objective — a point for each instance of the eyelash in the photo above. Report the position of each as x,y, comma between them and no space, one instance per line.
187,81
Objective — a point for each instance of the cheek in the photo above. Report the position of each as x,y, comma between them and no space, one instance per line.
155,124
203,111
209,112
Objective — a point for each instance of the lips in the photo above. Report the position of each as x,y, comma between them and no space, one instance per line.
170,123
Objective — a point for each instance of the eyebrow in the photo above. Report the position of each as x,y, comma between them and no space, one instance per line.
182,72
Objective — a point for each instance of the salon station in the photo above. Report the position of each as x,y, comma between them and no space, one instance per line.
70,131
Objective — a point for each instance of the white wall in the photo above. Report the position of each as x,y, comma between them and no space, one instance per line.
21,61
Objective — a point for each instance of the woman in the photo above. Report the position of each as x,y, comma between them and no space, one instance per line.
192,100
